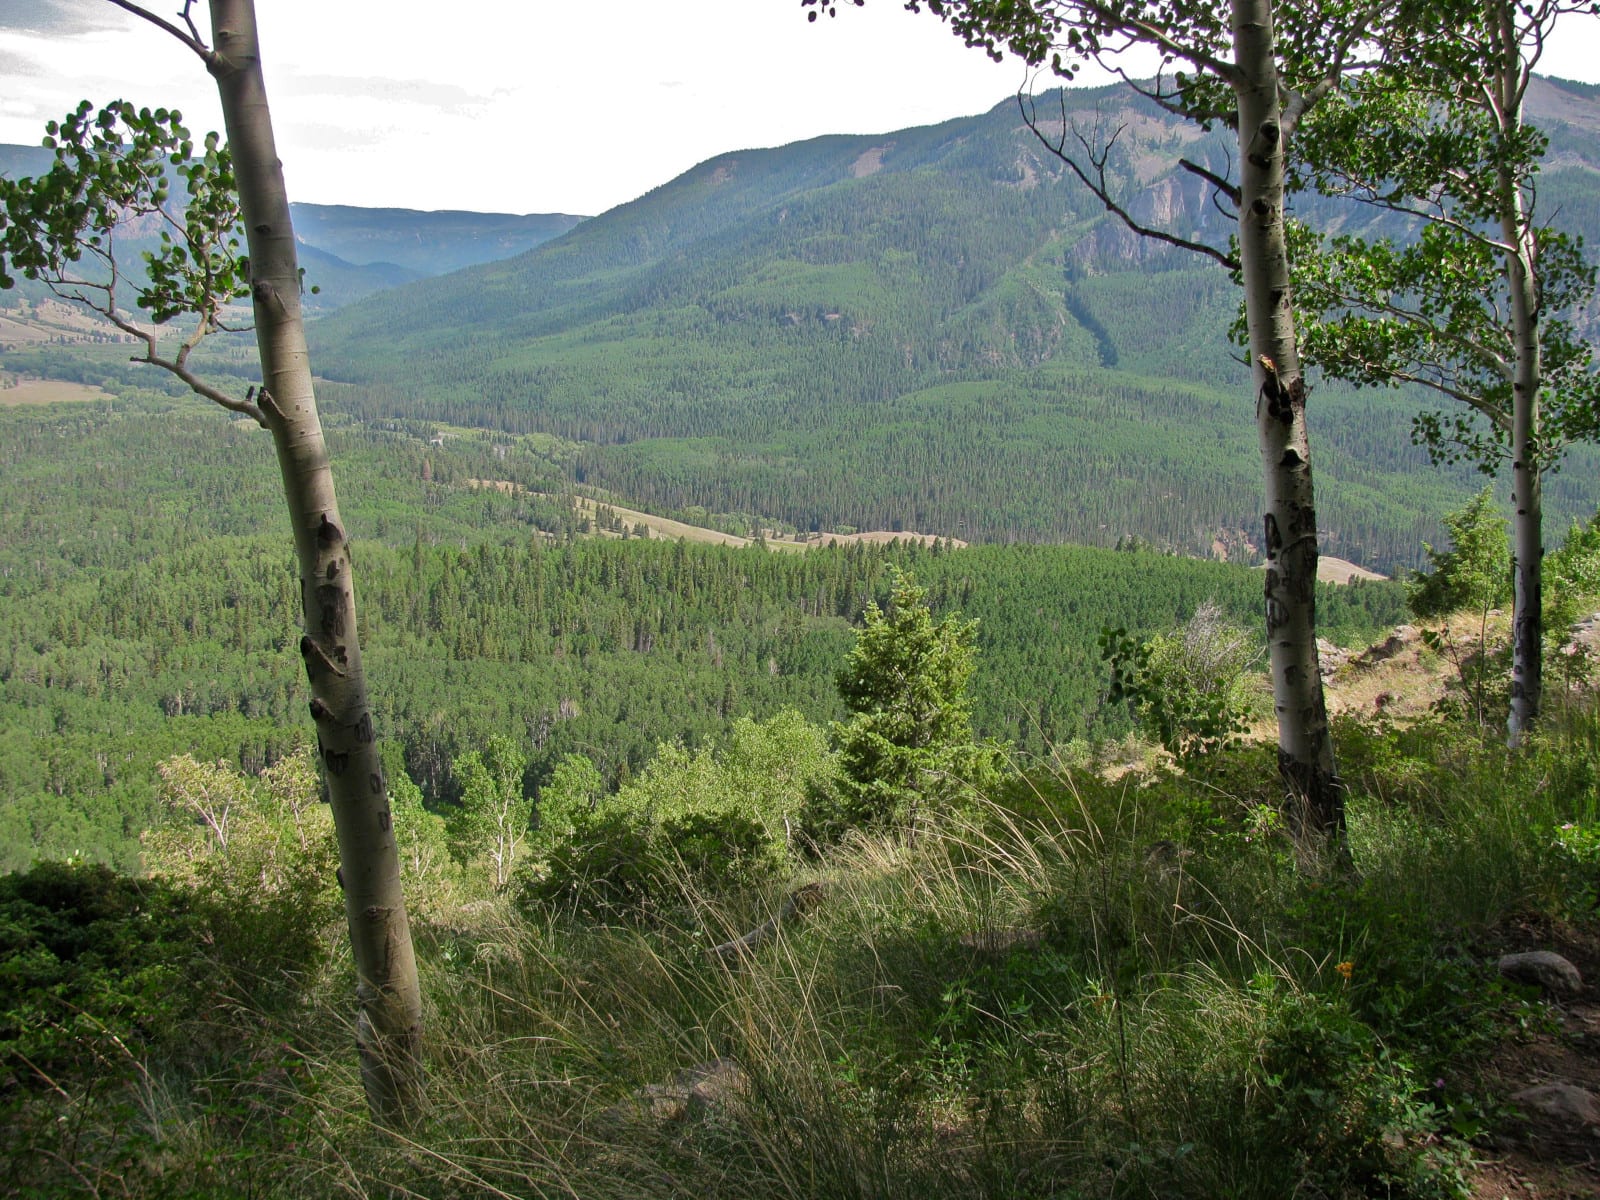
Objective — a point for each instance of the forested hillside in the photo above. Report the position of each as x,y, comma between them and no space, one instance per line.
931,329
148,608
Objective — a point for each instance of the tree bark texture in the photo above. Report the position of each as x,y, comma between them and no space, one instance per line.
389,1021
1522,289
1305,744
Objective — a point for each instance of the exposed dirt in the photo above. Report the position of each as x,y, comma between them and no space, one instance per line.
1534,1154
870,162
1401,677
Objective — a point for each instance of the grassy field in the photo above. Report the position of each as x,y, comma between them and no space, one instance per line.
46,391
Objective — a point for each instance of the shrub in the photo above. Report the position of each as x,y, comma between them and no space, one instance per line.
1190,689
1475,573
693,822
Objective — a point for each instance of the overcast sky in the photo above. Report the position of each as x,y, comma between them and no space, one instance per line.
532,105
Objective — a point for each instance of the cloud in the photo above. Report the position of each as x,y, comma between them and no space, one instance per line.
15,65
314,136
447,98
61,18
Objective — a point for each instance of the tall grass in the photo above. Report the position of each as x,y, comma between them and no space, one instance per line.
1079,989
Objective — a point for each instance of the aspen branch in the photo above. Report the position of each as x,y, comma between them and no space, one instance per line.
1223,187
1151,34
1469,346
190,39
1100,186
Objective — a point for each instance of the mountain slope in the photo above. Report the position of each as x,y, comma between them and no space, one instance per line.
423,243
350,252
934,328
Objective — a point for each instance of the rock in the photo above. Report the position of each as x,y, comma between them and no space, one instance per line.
718,1081
1545,969
1001,941
1584,636
1563,1101
1330,657
696,1092
1397,641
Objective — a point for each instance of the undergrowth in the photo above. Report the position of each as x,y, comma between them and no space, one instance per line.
1082,988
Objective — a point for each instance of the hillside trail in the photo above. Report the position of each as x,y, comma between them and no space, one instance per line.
1534,1151
1547,1151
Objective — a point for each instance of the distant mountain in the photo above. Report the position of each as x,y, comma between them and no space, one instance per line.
422,243
934,329
350,252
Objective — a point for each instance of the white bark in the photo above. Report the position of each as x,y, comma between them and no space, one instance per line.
389,1024
1305,744
1522,287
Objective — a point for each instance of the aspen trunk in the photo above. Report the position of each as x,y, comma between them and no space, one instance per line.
1527,520
1305,744
389,1020
1522,288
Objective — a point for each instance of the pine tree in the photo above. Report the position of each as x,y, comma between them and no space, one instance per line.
910,742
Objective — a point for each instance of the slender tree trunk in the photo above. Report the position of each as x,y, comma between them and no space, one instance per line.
1527,520
389,1021
1522,288
1305,744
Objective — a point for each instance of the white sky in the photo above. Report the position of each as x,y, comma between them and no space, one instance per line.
533,105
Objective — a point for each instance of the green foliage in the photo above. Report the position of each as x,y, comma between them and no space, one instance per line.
496,810
910,743
89,957
1423,141
1191,690
691,824
1572,576
1352,1113
422,838
113,989
113,169
1475,573
260,853
573,790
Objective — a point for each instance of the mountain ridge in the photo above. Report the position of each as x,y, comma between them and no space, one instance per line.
932,328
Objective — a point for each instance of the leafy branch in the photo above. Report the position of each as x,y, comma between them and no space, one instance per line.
112,179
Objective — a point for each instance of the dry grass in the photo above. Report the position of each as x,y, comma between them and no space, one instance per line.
48,391
1340,570
1402,678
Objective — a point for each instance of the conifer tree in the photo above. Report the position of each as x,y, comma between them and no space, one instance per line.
910,741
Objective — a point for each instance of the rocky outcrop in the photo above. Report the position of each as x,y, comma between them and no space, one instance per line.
1565,1102
1543,969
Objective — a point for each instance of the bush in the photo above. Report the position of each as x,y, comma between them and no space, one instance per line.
1191,690
1352,1115
624,865
1475,573
89,958
698,822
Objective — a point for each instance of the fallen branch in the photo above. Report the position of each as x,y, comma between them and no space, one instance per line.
797,903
